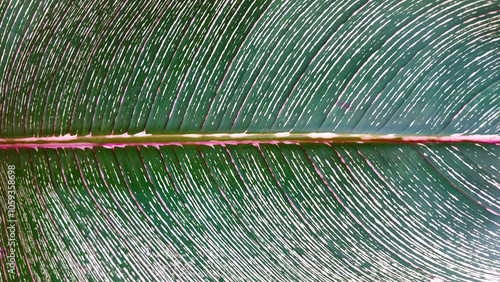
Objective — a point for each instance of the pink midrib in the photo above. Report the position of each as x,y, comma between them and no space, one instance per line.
234,138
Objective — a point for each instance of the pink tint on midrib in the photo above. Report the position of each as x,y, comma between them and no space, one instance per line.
74,141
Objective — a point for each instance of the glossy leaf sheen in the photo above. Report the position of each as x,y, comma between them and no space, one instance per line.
256,208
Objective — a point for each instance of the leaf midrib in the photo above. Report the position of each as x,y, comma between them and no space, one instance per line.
236,138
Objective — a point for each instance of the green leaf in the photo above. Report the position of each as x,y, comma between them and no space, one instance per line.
250,140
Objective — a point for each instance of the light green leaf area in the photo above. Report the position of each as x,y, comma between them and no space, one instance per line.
250,140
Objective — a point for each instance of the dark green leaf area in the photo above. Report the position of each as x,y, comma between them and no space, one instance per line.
314,211
381,67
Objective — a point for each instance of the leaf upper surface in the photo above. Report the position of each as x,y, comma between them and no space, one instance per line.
250,140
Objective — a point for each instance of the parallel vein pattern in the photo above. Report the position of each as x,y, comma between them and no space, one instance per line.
312,212
100,67
237,198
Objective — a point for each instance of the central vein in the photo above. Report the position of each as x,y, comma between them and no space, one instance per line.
234,138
